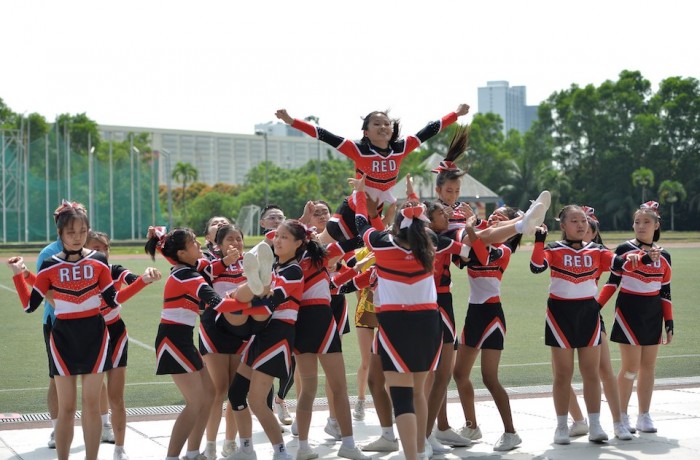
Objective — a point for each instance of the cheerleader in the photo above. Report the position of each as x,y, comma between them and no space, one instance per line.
643,311
118,345
409,337
573,314
579,424
221,348
176,353
80,280
378,156
268,353
484,334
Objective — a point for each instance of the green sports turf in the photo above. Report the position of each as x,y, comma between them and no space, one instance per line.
525,361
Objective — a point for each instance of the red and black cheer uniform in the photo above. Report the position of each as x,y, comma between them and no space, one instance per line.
184,290
409,337
216,334
644,301
485,322
118,338
270,350
380,165
573,314
79,338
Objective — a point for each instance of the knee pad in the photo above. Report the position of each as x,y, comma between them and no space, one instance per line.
630,375
402,400
238,392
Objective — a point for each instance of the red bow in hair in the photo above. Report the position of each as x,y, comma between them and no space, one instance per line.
309,231
65,206
652,206
590,213
410,213
160,233
444,166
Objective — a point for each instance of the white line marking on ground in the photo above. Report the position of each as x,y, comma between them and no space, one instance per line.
141,344
5,287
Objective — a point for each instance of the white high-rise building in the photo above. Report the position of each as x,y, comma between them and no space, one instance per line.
226,157
510,103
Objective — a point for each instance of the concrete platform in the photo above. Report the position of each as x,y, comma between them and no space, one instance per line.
675,410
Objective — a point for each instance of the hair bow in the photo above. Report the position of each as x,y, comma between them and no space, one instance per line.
65,206
309,231
445,166
590,213
160,233
410,213
652,206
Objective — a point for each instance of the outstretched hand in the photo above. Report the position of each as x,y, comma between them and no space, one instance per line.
150,275
284,116
462,109
16,264
358,184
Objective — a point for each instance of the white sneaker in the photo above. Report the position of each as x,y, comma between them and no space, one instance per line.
507,441
533,218
545,198
625,420
295,428
282,456
436,446
381,444
119,454
451,438
596,433
282,411
240,454
645,424
352,453
621,432
427,449
359,412
52,441
579,428
107,433
251,270
229,448
306,453
266,259
198,457
472,434
210,450
333,430
561,435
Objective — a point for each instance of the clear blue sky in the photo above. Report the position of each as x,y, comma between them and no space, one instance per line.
226,65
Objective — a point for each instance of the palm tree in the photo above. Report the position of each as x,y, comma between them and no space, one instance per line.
184,173
643,177
671,191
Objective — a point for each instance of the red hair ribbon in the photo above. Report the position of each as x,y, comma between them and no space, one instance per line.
590,213
652,206
65,206
310,231
445,166
410,213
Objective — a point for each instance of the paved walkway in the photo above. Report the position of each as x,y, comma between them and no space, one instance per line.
675,410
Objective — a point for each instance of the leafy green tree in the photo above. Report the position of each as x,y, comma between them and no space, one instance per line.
670,192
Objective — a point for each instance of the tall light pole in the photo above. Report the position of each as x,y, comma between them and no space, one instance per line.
314,119
138,190
267,185
168,177
131,160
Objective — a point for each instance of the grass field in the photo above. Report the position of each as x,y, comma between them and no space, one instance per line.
23,361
